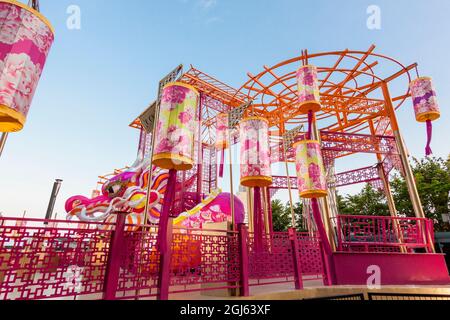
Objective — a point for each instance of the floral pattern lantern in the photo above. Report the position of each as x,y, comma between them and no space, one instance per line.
25,40
308,90
311,174
425,103
255,152
221,131
176,128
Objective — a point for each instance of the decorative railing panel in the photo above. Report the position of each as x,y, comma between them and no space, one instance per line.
384,234
55,261
204,259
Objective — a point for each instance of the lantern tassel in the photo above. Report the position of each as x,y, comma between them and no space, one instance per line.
428,150
222,160
165,212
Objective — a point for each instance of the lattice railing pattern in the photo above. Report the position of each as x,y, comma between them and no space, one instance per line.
311,255
346,142
374,234
204,257
272,258
362,175
39,262
139,264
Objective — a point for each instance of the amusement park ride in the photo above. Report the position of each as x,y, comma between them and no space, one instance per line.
155,216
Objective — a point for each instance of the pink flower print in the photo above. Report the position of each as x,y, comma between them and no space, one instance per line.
164,146
314,171
174,94
308,79
18,81
185,117
172,129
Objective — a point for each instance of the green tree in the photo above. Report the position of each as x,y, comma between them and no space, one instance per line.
367,203
433,184
281,217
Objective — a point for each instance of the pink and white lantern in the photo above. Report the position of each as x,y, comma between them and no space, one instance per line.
255,152
222,131
308,89
426,106
25,40
311,176
176,128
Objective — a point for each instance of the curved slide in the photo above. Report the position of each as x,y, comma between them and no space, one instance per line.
128,192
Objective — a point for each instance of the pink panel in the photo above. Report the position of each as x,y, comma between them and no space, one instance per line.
396,268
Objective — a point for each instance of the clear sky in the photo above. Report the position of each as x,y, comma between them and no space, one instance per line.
99,78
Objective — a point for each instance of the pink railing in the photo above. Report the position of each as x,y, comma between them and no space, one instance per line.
71,260
384,234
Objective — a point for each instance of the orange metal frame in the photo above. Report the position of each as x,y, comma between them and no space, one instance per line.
351,86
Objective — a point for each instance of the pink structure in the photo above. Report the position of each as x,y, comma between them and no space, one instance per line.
25,41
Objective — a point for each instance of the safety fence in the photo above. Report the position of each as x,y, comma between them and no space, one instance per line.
384,234
71,260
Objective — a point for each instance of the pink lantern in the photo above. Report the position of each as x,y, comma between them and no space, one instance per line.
425,103
308,89
176,128
255,152
25,40
221,131
311,175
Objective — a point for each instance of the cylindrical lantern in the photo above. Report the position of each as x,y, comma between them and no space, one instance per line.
221,131
308,89
25,40
311,177
426,106
255,152
175,132
424,99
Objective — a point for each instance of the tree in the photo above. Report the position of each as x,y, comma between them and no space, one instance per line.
281,217
369,202
432,177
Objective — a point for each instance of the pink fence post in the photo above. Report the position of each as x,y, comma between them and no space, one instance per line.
243,261
113,264
325,265
296,258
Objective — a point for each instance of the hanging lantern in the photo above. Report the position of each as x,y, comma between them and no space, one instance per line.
255,152
311,176
175,132
221,131
426,106
25,40
308,89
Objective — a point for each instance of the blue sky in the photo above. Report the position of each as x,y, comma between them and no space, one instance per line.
101,77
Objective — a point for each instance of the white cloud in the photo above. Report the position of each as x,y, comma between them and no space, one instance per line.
207,4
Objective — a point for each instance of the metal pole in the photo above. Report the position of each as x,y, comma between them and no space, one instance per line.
409,176
51,204
291,202
323,202
3,139
231,181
